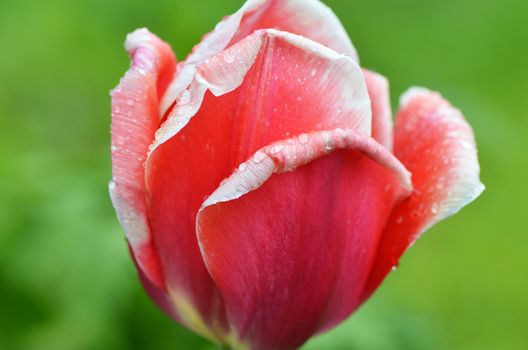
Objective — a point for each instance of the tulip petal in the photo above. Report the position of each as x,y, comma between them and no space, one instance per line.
134,121
436,144
156,294
266,87
309,18
378,89
289,238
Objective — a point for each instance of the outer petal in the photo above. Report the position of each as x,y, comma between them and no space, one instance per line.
309,18
437,145
269,85
291,252
156,294
378,89
134,121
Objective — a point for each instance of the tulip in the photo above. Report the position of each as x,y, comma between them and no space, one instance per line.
262,188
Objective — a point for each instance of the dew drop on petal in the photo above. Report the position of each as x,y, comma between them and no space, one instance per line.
276,149
185,98
242,167
466,144
434,208
303,138
228,58
130,102
259,156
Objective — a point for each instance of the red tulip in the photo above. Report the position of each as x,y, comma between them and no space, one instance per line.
262,188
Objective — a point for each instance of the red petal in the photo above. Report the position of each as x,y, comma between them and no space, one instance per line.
158,295
378,89
309,18
270,85
291,252
437,145
134,121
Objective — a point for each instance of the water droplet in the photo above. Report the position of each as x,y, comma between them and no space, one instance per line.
399,220
114,148
242,167
142,71
394,268
466,144
228,58
130,102
314,71
276,149
303,138
185,98
434,208
259,156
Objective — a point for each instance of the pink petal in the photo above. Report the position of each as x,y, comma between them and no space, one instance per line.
134,121
269,85
291,252
309,18
378,89
437,145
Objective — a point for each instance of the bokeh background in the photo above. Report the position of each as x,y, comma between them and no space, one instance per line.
66,281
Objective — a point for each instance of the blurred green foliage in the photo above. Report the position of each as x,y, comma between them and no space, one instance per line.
66,281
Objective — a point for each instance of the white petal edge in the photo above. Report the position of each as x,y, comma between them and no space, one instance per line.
287,155
467,165
241,61
224,31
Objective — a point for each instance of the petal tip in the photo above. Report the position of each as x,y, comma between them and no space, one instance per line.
137,38
412,93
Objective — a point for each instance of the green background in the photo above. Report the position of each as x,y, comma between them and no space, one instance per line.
66,281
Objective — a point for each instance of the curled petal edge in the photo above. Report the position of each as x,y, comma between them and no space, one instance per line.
243,54
287,155
226,33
